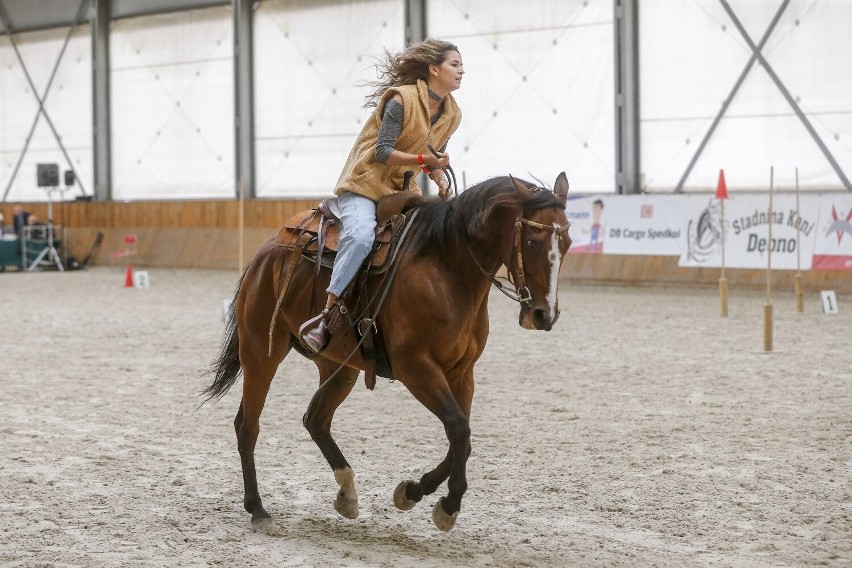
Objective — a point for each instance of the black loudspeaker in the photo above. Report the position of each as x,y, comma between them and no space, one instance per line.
47,175
69,178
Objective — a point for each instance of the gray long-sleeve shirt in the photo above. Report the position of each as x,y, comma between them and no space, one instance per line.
391,128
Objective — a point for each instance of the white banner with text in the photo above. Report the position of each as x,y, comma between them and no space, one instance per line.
813,232
644,224
753,234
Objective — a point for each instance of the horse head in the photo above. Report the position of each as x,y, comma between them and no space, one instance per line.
540,244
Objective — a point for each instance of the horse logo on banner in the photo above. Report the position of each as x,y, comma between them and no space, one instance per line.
704,233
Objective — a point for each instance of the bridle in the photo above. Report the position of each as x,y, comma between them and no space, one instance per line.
521,293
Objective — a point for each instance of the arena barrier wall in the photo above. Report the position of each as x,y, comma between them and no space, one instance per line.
664,271
205,234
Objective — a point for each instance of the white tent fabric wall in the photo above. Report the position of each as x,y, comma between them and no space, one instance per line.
309,59
172,99
537,97
538,93
691,55
68,104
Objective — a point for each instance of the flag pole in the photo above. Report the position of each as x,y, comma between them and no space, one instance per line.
241,231
723,282
800,296
722,195
767,307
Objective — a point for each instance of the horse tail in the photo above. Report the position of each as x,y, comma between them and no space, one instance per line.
226,368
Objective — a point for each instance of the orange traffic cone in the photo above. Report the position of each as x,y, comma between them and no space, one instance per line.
721,186
128,277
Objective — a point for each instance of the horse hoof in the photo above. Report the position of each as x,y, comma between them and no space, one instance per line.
441,519
402,502
266,526
346,507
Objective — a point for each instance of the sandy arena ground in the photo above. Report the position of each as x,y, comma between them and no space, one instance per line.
644,430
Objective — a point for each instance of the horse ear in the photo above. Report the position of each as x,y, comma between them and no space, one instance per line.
560,188
522,190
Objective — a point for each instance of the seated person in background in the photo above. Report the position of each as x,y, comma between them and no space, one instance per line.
38,229
20,217
2,224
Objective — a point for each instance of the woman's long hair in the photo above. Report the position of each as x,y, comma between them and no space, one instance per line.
405,67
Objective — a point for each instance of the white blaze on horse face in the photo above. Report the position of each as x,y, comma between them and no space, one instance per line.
554,257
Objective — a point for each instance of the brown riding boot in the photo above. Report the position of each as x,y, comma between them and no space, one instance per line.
317,338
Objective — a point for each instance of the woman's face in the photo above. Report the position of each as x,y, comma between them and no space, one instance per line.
447,76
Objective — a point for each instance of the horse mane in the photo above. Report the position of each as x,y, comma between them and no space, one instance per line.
465,218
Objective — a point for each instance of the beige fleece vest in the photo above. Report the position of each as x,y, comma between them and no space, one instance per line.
363,175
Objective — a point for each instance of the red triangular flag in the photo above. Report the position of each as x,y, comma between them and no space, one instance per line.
721,187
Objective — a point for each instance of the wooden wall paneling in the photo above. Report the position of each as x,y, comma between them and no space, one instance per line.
205,234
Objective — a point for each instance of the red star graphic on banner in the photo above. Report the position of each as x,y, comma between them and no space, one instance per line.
840,226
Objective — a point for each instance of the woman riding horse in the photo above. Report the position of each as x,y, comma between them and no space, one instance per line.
434,316
414,110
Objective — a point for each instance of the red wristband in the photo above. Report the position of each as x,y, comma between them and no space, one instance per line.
422,164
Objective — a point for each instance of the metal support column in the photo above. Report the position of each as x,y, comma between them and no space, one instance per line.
415,21
415,31
244,96
101,130
627,164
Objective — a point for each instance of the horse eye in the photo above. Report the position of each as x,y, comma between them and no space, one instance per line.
532,244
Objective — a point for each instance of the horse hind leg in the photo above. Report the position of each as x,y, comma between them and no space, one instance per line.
317,420
258,371
346,501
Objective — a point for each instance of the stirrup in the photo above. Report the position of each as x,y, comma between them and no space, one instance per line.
308,325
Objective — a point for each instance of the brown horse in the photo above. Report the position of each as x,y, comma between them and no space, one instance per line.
434,322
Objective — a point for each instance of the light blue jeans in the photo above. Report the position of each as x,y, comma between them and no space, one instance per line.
358,218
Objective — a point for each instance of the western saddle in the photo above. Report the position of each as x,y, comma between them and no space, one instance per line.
315,235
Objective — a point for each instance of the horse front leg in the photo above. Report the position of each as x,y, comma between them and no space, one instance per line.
408,493
452,407
446,510
317,420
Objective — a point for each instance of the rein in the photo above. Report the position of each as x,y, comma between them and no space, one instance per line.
452,178
521,293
